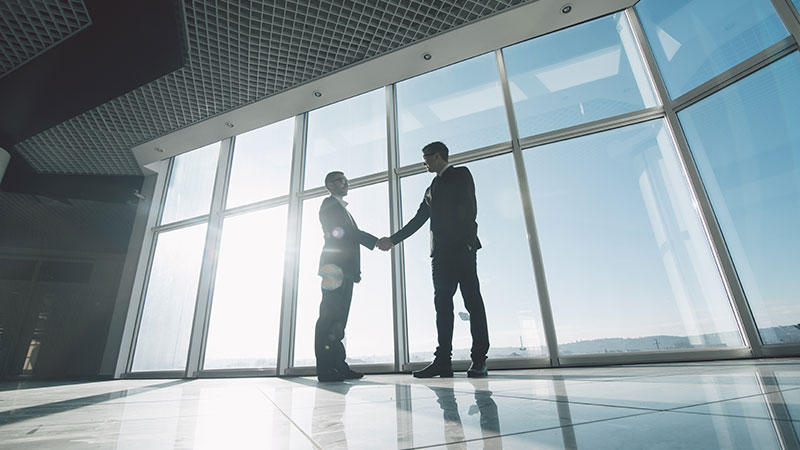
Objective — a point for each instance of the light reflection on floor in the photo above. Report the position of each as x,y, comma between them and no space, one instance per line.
724,404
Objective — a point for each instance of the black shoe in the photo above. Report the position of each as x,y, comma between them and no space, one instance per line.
442,369
330,375
350,374
478,370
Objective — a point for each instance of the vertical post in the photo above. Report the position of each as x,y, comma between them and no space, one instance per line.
131,330
736,295
530,222
205,289
401,355
790,17
292,259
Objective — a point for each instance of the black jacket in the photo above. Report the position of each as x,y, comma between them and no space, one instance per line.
342,239
451,205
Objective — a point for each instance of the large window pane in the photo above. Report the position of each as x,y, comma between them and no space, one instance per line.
191,184
577,75
627,261
262,161
163,340
349,136
245,313
504,269
460,105
746,142
369,334
696,40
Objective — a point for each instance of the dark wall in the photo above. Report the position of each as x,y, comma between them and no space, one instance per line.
63,243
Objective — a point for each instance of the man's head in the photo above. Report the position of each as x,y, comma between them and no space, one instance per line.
336,183
434,156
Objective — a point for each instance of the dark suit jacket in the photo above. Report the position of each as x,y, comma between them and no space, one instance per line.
450,204
342,239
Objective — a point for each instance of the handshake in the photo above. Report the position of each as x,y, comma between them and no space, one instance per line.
385,244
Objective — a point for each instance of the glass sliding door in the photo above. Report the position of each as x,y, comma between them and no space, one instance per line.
627,262
746,142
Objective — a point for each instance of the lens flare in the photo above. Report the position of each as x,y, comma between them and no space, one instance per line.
332,276
337,232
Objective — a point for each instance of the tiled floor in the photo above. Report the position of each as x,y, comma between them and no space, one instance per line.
725,404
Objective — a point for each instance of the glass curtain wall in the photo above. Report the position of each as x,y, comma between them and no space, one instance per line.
244,323
605,142
171,293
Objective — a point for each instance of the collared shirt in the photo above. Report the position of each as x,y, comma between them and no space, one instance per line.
341,200
446,166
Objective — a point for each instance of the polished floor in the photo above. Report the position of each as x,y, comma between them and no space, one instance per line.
751,404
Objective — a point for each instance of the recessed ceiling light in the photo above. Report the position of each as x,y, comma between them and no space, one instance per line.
159,150
229,125
427,56
566,9
317,94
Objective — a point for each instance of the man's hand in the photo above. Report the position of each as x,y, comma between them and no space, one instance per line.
385,244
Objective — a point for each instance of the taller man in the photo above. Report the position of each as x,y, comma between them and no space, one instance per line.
450,204
339,267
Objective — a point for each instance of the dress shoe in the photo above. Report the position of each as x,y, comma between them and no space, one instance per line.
442,369
478,370
350,374
330,375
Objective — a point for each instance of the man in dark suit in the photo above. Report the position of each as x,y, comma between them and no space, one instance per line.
451,206
339,267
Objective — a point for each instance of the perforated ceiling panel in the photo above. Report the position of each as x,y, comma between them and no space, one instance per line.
28,28
241,52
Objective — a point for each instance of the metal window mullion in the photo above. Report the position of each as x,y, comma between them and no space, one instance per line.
205,287
530,222
789,16
744,69
136,306
399,306
291,262
716,241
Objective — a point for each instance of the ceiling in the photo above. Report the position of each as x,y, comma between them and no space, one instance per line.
234,53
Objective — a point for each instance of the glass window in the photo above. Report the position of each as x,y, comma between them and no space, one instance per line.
166,323
746,143
577,75
191,184
696,40
460,105
504,268
369,337
796,4
262,162
349,136
628,264
245,313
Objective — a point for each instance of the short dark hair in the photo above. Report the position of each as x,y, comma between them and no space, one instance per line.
436,147
331,175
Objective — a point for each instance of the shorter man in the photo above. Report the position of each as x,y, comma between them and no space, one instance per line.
339,267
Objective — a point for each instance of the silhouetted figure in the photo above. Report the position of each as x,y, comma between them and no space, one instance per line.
339,267
451,206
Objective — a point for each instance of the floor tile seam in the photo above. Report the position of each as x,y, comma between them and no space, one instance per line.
761,394
517,433
738,416
288,418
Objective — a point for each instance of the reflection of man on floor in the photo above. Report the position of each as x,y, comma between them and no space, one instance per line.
484,406
339,267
